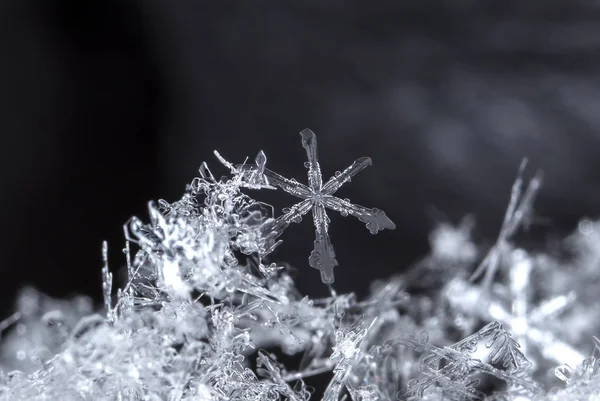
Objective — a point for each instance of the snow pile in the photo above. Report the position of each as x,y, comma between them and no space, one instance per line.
204,316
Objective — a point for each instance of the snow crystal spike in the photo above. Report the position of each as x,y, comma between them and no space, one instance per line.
107,279
518,213
318,197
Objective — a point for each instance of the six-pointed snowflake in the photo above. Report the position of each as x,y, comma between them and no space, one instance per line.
318,197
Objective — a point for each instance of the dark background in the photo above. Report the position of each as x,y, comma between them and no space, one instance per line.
105,105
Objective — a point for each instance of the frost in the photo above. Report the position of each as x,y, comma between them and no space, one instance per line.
205,315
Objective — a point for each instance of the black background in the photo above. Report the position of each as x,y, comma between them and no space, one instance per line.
105,105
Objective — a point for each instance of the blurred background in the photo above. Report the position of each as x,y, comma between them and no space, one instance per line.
105,105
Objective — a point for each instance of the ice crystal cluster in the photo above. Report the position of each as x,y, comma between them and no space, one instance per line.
204,315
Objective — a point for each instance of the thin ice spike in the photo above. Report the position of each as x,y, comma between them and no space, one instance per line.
127,251
107,278
519,209
520,212
345,176
523,212
508,226
309,142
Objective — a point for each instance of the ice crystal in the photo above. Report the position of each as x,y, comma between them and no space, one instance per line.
583,381
454,243
456,371
318,197
531,326
509,299
203,314
519,213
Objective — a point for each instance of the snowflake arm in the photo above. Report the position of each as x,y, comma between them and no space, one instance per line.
550,308
375,219
292,187
323,256
293,215
345,176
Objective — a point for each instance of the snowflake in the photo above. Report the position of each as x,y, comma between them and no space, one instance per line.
318,197
530,323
